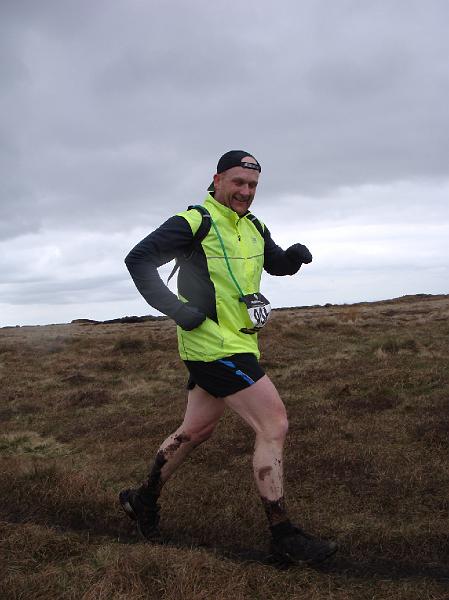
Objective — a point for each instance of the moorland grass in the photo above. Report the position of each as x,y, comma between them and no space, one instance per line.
84,408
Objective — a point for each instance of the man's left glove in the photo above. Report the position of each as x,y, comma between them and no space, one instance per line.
299,253
188,317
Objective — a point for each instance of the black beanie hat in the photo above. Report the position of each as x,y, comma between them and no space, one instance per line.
234,158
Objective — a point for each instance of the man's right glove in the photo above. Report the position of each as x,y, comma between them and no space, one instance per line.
188,317
299,253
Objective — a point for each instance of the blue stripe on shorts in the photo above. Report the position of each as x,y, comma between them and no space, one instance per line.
241,374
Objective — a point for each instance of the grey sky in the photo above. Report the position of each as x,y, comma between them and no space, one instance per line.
114,114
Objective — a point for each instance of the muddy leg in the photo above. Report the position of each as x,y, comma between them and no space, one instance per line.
268,475
202,415
262,408
170,455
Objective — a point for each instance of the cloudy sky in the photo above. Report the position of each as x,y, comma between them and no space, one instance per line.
113,114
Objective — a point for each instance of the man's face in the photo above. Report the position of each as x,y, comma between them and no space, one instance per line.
236,187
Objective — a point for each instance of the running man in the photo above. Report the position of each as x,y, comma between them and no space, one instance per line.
221,252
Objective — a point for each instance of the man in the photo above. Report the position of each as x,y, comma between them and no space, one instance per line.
217,340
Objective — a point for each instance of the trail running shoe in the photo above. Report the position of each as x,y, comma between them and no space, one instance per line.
146,515
299,547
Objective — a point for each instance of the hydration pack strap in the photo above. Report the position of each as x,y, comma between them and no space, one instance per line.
255,221
198,237
203,230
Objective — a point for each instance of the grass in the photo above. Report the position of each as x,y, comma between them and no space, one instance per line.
84,407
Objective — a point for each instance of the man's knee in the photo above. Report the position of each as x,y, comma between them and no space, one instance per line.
275,430
281,428
200,435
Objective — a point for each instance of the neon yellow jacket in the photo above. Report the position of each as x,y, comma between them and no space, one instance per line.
204,280
245,249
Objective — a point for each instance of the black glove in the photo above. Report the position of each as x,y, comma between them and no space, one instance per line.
299,253
188,317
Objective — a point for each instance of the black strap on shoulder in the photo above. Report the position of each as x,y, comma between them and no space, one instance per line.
199,236
257,224
204,227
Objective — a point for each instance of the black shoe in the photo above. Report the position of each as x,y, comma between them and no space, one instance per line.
298,547
146,515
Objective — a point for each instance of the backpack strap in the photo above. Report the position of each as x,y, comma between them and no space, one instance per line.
257,224
198,237
203,230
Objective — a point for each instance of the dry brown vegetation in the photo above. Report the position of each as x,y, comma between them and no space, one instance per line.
84,407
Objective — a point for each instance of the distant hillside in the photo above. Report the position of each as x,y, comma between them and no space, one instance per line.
142,319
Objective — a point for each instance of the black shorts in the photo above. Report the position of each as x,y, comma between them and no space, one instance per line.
224,376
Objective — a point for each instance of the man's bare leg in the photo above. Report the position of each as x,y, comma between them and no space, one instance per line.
262,408
201,417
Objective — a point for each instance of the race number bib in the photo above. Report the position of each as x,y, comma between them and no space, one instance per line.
258,308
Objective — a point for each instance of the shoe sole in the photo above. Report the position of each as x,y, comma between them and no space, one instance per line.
153,537
126,505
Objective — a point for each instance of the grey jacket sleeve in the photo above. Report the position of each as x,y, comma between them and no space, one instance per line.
278,261
171,239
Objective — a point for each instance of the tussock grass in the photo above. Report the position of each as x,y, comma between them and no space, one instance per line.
84,408
89,397
29,442
393,345
77,378
129,345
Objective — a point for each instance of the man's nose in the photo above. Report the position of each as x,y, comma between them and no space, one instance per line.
244,190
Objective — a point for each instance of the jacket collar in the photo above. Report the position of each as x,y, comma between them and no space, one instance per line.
228,213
